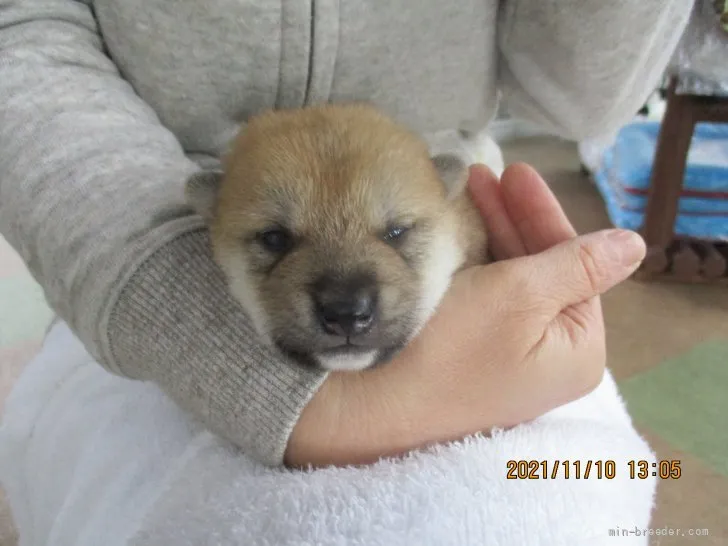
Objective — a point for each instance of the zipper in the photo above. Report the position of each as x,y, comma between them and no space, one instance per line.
311,50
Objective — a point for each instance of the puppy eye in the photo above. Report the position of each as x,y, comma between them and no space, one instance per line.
276,240
395,233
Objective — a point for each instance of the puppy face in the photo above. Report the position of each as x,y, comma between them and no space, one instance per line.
336,230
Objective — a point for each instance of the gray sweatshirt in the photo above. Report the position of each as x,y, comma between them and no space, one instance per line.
107,106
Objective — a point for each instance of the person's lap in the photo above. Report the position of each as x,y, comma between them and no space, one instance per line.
86,456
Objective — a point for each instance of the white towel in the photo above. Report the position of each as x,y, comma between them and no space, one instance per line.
89,459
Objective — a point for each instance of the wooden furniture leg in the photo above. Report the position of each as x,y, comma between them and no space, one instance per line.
668,172
670,257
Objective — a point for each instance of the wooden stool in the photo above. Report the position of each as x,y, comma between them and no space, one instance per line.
670,257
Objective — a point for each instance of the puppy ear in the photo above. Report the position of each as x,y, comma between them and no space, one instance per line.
453,172
201,192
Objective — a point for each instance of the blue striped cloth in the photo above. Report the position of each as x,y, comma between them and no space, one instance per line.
623,179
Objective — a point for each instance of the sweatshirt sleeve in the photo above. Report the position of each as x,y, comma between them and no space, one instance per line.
91,188
583,68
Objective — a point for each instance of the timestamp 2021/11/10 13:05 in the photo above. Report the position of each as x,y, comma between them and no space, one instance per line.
583,470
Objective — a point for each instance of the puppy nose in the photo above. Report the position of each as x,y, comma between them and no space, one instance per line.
348,317
345,309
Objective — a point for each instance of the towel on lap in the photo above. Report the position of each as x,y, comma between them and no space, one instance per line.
88,459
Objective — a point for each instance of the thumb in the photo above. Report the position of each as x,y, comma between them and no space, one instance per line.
581,268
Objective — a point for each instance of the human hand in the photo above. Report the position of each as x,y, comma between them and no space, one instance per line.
510,341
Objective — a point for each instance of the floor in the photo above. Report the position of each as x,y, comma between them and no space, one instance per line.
668,348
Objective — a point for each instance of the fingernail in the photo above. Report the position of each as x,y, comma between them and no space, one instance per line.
631,246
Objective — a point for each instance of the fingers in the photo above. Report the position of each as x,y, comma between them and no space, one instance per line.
533,209
504,240
576,270
521,213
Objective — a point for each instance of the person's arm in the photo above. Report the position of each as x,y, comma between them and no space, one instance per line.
89,182
582,68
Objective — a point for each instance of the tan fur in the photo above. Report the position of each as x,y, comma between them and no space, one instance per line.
337,177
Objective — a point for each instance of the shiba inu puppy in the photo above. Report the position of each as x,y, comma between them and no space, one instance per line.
337,231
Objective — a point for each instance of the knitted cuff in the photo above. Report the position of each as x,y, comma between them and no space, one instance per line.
174,323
